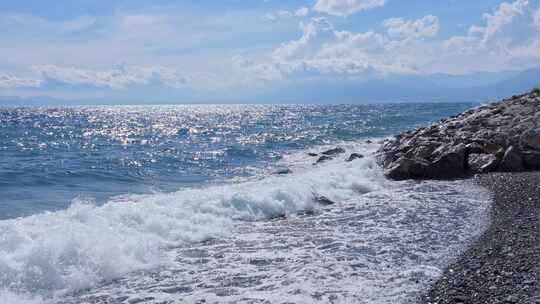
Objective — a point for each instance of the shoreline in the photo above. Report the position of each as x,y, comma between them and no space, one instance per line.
503,265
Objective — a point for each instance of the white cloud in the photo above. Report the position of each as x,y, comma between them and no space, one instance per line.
404,29
346,7
507,38
279,14
23,20
13,82
284,14
301,12
324,50
160,42
537,19
502,17
146,28
318,29
30,22
118,77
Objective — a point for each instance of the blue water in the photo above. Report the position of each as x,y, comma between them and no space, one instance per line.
183,204
49,156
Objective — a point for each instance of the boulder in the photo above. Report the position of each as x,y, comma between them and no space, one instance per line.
512,161
482,163
531,160
323,159
354,156
407,168
448,165
283,171
313,154
530,139
490,147
335,151
424,151
502,136
386,158
474,148
323,200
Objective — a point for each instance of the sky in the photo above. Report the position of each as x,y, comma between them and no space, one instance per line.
184,51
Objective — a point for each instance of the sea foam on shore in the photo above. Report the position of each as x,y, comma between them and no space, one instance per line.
386,239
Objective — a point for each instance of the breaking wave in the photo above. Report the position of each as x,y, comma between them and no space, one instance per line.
56,253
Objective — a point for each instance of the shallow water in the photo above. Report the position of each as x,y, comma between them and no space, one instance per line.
382,247
181,228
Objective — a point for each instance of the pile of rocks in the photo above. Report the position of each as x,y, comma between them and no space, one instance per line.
503,136
332,153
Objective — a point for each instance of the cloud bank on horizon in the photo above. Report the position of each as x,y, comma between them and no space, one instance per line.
130,49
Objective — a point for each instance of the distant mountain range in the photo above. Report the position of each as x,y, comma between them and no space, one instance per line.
477,87
15,101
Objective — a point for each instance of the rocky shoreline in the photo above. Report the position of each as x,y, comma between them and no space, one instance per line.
500,137
504,264
497,144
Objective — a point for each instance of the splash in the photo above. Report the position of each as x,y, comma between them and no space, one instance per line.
57,253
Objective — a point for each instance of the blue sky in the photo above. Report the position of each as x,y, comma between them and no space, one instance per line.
211,50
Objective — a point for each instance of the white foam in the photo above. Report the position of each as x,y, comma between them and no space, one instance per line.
385,247
52,254
10,297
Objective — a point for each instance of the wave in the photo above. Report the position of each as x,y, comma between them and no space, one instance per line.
51,254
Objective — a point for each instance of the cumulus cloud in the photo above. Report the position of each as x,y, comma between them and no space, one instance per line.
346,7
316,31
13,82
502,17
405,29
499,27
508,37
283,14
118,77
324,50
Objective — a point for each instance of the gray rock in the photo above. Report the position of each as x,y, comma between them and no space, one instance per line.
490,147
407,168
506,132
512,161
531,139
323,159
511,299
313,154
448,165
482,163
283,171
424,151
531,160
323,200
474,148
354,156
335,151
178,289
499,138
460,299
